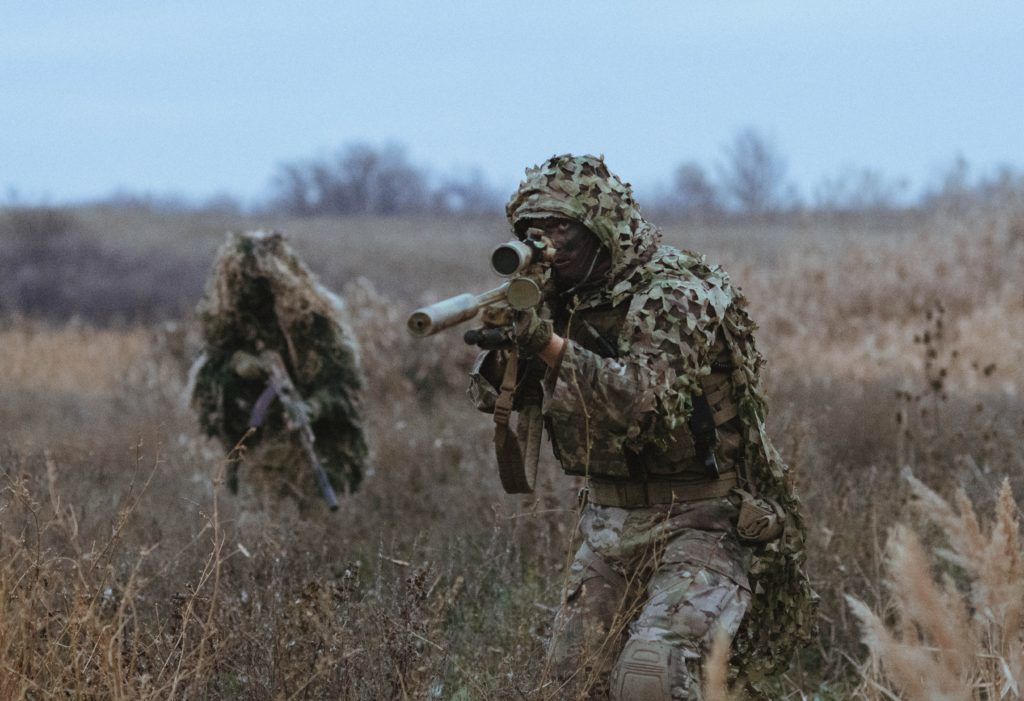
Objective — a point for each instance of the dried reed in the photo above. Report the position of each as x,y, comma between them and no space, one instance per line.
958,635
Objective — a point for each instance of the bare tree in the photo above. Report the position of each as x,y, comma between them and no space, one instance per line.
693,193
360,179
753,174
363,179
468,193
954,194
398,186
1002,189
865,191
293,191
958,193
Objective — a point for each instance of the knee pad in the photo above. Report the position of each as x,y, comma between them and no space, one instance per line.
649,670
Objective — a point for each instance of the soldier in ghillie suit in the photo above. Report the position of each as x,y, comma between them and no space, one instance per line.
278,356
651,391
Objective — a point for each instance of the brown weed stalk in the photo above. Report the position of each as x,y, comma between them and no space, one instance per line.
957,636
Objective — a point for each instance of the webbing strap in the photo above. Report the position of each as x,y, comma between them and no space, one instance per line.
718,391
507,449
722,414
503,404
632,495
716,395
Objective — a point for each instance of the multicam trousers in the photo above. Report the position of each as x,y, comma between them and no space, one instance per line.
646,594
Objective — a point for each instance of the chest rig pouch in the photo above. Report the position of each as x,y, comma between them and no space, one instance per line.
703,449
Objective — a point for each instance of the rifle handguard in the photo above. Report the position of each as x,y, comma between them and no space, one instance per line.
488,339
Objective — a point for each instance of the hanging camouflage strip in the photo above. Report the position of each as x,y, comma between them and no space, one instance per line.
262,302
682,318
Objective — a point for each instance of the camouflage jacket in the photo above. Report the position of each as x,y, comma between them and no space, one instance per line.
671,320
640,342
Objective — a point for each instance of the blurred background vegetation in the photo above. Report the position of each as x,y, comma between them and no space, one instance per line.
892,325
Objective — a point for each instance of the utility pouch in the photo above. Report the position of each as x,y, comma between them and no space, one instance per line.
760,520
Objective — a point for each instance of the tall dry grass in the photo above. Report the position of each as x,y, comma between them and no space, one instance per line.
955,630
125,572
123,575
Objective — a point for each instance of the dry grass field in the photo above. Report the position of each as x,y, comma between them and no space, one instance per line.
128,571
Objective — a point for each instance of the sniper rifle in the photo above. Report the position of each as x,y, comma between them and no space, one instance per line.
297,419
526,263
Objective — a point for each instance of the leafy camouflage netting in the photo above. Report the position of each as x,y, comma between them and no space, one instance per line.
261,297
680,313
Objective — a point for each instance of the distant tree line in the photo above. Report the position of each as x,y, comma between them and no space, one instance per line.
362,179
749,180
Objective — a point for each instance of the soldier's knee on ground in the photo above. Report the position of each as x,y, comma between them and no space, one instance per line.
586,630
652,670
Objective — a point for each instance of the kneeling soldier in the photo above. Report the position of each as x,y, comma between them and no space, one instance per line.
651,392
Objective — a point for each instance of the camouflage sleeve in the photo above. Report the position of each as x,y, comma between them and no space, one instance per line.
330,402
642,395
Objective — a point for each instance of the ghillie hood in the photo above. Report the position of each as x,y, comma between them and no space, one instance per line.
582,188
260,291
261,296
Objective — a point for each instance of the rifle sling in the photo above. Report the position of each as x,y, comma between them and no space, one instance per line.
511,464
259,409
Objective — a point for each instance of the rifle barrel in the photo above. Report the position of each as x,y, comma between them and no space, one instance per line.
439,316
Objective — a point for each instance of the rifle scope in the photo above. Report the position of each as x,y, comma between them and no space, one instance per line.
514,257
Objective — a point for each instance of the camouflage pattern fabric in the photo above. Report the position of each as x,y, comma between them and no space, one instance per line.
682,318
261,296
677,303
672,574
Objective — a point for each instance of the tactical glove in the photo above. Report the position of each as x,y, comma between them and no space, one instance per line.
497,332
247,366
532,333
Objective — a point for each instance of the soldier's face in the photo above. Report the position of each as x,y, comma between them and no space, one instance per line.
565,235
576,249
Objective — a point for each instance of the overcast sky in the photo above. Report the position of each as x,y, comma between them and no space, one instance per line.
197,98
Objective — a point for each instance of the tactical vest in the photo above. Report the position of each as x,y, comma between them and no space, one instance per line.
614,467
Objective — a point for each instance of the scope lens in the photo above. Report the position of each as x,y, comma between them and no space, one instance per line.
505,260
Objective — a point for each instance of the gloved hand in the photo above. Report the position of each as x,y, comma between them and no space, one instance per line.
497,331
247,366
532,333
